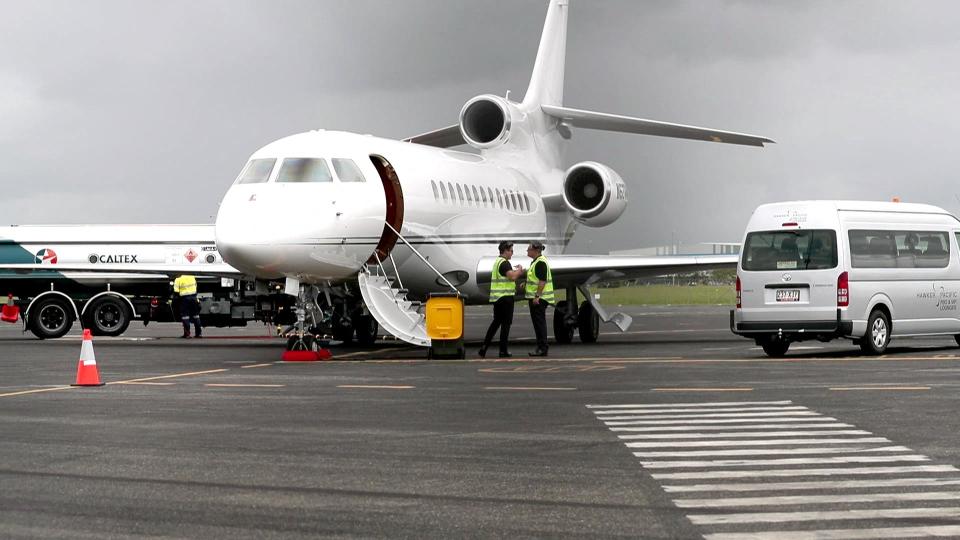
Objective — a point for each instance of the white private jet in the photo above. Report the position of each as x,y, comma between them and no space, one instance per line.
361,229
333,212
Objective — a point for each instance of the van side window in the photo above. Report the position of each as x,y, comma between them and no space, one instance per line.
790,250
899,249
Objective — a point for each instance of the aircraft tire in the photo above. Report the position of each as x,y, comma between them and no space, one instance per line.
50,318
562,332
107,316
588,323
366,328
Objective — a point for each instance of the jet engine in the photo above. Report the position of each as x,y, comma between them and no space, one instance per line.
594,193
485,121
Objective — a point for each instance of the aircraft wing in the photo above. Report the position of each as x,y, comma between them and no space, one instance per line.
441,138
626,124
570,270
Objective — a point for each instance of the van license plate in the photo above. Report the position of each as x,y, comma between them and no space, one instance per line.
788,295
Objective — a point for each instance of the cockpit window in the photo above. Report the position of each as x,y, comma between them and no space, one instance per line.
347,170
257,171
304,170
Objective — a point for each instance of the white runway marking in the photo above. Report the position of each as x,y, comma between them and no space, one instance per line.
701,405
780,461
675,436
940,531
780,517
808,425
732,421
825,484
690,410
805,472
818,499
772,452
756,443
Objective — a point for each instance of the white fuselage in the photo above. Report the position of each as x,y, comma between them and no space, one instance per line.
324,232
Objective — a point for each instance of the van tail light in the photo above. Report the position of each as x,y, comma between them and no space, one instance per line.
738,292
843,290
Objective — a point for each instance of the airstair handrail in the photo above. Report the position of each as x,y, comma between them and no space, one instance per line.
425,261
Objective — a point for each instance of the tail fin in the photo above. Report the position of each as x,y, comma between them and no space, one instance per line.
546,82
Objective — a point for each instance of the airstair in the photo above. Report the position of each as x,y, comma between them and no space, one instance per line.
389,305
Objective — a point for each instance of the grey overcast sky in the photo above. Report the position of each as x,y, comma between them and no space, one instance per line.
133,111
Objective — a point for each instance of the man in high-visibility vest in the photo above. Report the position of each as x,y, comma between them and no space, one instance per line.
186,287
502,294
539,293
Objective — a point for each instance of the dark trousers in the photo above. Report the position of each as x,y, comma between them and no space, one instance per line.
190,311
538,314
502,319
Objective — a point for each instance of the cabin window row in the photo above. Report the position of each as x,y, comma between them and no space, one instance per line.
295,170
486,197
899,249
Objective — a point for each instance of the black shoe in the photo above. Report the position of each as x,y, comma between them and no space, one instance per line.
539,352
505,355
185,336
482,352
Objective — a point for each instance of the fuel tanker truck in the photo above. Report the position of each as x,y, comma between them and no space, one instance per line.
107,276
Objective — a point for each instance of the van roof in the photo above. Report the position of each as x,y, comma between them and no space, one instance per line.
876,206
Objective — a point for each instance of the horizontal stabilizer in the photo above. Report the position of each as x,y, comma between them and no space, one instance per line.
441,138
626,124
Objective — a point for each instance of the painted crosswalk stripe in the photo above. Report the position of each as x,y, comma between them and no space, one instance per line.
789,461
805,472
743,434
941,531
757,442
825,515
714,427
818,499
780,461
817,484
715,404
774,451
730,421
709,409
784,414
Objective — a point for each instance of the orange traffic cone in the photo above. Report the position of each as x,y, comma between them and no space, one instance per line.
10,312
87,374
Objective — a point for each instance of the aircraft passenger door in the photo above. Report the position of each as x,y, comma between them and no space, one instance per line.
393,195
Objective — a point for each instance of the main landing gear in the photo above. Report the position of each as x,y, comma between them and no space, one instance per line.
568,316
325,312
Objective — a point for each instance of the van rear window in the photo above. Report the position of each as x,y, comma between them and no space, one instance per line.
790,250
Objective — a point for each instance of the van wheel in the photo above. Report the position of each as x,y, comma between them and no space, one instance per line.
775,348
50,318
877,338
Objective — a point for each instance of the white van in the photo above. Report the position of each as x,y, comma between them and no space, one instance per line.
865,271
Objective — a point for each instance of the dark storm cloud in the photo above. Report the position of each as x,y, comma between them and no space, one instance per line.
120,111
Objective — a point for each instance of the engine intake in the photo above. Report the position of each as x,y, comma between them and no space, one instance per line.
594,193
485,121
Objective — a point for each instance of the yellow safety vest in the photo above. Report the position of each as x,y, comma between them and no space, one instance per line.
185,285
533,282
500,286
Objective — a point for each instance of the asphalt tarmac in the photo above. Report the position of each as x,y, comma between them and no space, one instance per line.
675,429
